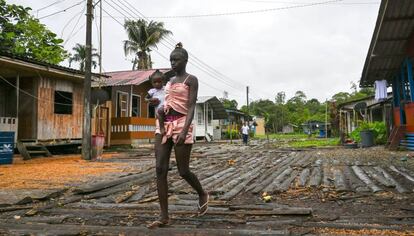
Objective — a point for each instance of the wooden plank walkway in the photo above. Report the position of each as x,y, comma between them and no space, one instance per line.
305,188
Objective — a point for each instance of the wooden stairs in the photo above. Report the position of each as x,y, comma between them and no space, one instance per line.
397,134
30,148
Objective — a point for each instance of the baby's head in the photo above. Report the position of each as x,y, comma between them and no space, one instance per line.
157,79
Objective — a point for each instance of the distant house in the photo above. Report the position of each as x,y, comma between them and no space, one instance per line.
234,121
367,109
314,126
288,129
209,110
40,101
132,119
260,128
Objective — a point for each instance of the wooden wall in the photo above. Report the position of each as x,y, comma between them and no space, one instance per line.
59,126
27,109
140,90
8,99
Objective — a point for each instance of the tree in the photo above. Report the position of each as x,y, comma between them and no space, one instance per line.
142,37
341,97
80,56
280,98
23,35
232,104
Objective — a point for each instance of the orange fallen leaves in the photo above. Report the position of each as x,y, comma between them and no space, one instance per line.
56,172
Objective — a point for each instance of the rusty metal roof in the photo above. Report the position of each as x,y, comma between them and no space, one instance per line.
388,48
129,77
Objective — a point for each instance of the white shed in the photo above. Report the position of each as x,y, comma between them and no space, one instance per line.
209,110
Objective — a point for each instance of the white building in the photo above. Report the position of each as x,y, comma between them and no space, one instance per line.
209,110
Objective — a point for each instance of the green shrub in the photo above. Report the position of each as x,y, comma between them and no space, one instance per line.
378,128
234,134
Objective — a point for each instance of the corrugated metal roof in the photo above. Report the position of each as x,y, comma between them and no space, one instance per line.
388,48
370,101
12,57
130,77
218,109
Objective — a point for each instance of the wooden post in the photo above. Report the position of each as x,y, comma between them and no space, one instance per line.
17,105
86,131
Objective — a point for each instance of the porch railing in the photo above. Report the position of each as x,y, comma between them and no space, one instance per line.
125,129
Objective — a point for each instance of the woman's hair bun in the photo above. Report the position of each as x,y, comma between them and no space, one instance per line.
179,45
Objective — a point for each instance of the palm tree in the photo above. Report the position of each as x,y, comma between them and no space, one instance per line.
142,37
80,56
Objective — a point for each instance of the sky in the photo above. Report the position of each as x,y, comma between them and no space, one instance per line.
315,46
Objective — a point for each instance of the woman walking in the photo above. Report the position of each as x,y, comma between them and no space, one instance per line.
175,130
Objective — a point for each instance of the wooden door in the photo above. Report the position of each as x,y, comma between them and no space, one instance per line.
102,125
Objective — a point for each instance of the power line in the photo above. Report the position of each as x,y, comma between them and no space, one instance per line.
33,96
286,2
158,51
74,34
47,6
247,12
79,14
64,10
197,66
197,62
172,42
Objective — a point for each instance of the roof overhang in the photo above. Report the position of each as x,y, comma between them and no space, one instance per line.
219,112
392,34
13,66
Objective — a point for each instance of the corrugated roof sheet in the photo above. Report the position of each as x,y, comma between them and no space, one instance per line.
130,77
218,109
388,48
45,64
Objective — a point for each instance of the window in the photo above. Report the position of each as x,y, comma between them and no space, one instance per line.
136,106
63,102
151,111
209,116
122,104
199,118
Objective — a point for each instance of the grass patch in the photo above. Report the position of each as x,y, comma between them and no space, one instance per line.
282,136
321,142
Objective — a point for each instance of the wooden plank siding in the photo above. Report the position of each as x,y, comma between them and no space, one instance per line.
27,125
59,126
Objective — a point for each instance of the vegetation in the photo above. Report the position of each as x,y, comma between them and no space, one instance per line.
79,56
229,104
232,134
378,128
299,109
321,142
142,37
23,35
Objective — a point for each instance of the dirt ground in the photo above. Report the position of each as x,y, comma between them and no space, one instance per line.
329,191
56,172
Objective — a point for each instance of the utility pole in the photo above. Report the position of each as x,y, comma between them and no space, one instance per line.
326,118
100,37
86,131
247,97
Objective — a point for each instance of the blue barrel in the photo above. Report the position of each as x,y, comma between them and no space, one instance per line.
322,133
6,147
